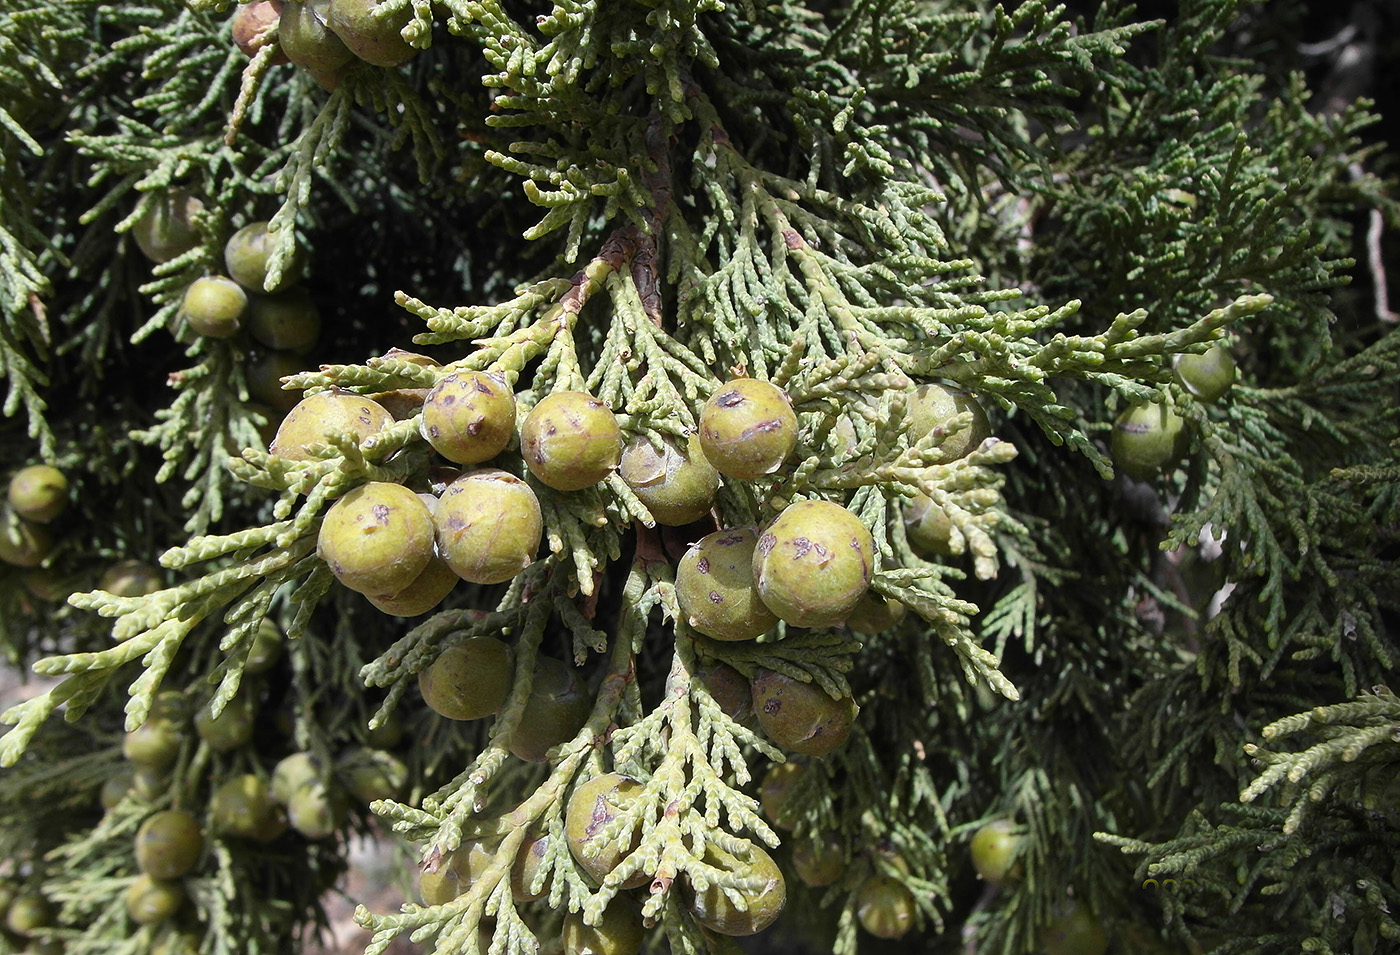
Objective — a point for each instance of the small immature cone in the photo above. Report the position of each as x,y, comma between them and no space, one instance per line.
166,231
168,844
310,44
526,867
428,590
317,811
263,373
469,680
763,904
620,932
558,706
932,406
248,254
1209,376
149,900
287,321
214,306
38,492
1147,439
373,38
23,544
592,806
241,806
677,487
928,528
820,860
885,907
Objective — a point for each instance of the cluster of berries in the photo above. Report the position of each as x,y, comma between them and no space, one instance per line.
325,37
37,495
1151,438
299,795
593,809
275,326
884,905
471,679
404,550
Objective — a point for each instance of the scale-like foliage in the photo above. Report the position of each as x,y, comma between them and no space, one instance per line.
643,201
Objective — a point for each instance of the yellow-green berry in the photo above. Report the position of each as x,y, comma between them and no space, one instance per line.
428,590
729,689
618,932
151,900
592,807
526,869
994,852
930,411
763,903
309,43
1208,376
570,440
489,526
469,417
287,321
371,774
22,543
716,589
813,563
1074,930
248,255
801,717
1147,439
820,860
775,792
377,539
28,913
154,744
232,728
264,373
885,907
131,578
875,613
370,35
317,810
266,649
468,680
241,806
748,428
455,873
676,486
291,773
928,528
318,415
166,229
214,306
558,706
168,844
38,492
